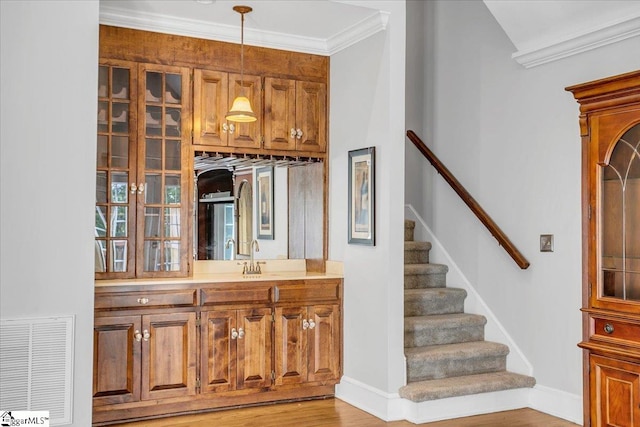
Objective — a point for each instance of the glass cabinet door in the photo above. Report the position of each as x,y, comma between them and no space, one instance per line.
620,220
163,134
115,172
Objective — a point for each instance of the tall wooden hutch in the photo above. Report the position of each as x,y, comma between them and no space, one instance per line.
610,130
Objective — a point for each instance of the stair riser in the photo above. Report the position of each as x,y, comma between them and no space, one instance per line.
422,281
420,370
428,306
422,338
408,234
413,256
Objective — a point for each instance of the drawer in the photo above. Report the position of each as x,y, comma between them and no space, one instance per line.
616,330
245,293
312,291
145,299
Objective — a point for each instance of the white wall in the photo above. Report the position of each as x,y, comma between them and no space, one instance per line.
510,135
48,78
367,109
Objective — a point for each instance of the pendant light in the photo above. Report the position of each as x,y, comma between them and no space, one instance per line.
241,110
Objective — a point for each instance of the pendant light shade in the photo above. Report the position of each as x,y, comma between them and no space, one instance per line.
241,110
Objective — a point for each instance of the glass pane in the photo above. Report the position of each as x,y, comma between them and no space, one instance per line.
118,221
154,120
172,155
103,108
120,83
172,256
151,222
152,256
118,255
172,222
101,153
101,256
103,81
154,87
172,122
173,88
153,154
119,118
101,187
101,221
620,221
119,190
119,151
153,189
172,189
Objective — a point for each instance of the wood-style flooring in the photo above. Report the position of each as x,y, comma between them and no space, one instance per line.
336,413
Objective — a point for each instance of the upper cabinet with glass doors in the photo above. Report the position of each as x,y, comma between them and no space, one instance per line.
141,186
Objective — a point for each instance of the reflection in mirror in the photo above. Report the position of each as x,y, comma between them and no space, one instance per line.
215,215
245,212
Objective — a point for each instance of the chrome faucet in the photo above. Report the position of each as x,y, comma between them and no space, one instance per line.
231,242
253,268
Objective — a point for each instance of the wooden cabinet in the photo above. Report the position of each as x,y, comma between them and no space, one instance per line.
236,349
143,357
162,349
142,177
214,92
307,341
610,129
295,115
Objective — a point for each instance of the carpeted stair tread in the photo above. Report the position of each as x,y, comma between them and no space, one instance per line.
409,227
427,301
421,391
425,269
457,351
441,329
416,252
425,276
417,246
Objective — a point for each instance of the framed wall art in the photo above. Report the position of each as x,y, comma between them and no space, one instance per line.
362,196
264,202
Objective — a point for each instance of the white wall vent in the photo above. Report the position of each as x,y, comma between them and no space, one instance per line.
36,366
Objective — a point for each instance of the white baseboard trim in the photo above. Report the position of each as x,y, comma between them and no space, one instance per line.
390,407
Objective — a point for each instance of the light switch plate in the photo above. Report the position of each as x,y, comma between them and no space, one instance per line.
546,243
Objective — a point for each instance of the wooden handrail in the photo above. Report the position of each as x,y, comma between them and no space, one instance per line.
484,218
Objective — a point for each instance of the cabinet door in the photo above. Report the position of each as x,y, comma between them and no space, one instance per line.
254,348
116,171
210,104
163,171
324,343
311,116
116,359
246,135
218,351
615,392
279,114
291,345
168,355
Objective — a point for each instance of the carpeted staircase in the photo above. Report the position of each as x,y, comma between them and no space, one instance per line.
445,349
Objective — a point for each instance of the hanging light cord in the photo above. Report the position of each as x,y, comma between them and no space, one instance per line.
242,54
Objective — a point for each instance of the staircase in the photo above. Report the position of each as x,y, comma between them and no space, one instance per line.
445,349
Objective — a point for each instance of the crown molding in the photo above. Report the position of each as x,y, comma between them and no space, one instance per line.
119,17
582,43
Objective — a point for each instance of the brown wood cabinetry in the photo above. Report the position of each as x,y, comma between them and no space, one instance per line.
214,91
610,129
295,115
166,349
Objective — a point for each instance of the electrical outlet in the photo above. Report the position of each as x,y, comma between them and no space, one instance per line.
546,243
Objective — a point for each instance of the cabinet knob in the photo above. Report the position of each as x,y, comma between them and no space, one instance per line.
608,328
305,324
141,187
143,300
137,335
234,333
312,324
298,133
240,333
134,187
146,335
228,128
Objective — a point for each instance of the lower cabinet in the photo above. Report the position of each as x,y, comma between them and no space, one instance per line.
615,392
166,351
144,357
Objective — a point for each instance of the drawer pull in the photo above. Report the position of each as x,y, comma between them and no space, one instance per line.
143,300
608,328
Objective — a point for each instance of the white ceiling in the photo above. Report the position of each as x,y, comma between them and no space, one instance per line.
541,30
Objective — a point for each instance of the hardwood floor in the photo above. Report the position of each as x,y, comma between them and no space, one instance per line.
336,413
